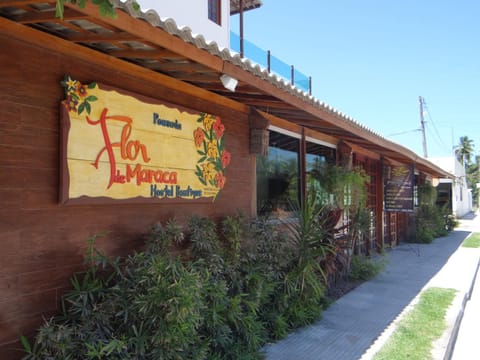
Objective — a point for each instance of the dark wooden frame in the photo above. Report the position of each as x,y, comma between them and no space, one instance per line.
215,11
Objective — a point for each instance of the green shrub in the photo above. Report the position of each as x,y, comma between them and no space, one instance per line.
430,223
221,297
364,268
451,222
431,220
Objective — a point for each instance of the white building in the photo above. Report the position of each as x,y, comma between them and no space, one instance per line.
210,18
454,191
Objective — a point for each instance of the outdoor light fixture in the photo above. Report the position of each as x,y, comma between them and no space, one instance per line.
229,82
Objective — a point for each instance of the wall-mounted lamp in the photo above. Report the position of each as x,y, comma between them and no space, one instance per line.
229,82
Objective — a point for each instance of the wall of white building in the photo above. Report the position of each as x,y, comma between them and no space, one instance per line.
194,14
461,195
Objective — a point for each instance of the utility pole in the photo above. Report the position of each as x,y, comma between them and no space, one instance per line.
422,122
242,53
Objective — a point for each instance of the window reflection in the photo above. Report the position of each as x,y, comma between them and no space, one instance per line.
318,158
278,177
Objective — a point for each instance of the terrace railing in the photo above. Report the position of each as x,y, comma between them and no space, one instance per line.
273,64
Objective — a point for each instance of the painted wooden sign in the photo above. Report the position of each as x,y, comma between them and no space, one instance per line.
399,186
116,146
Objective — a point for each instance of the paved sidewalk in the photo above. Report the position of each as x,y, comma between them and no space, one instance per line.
357,324
466,345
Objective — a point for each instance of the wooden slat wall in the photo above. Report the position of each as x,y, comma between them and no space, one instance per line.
42,243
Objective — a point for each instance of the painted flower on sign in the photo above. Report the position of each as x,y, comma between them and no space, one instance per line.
198,136
218,127
212,149
208,121
214,158
226,158
78,99
220,180
71,104
208,171
82,90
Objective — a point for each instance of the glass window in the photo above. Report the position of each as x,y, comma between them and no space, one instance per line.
278,177
214,11
318,158
416,201
318,155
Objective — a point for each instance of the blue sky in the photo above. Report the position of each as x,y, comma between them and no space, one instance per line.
372,59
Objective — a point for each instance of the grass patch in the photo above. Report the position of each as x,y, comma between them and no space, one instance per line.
416,332
473,241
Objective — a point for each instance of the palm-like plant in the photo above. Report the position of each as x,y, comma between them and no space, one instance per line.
305,279
464,150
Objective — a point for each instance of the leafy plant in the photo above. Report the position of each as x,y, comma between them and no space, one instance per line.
305,280
223,299
343,192
338,186
364,268
105,7
431,220
161,238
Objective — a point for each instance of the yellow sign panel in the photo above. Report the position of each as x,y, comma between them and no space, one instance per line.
119,147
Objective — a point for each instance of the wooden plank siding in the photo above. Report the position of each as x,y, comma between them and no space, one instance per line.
42,242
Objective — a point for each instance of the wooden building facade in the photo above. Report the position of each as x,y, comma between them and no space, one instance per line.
43,234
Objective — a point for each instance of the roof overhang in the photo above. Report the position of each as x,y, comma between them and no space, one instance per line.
153,48
247,5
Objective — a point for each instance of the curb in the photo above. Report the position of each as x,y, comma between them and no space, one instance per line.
380,341
454,332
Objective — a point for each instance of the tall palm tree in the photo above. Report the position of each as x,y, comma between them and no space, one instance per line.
464,150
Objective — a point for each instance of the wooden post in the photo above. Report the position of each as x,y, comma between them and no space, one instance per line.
379,207
303,169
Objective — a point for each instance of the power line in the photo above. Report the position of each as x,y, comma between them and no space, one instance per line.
421,101
403,132
438,138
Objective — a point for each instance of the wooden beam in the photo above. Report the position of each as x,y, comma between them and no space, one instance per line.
103,37
359,150
263,101
279,122
154,35
184,67
14,3
145,54
294,114
61,46
47,16
321,136
199,78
